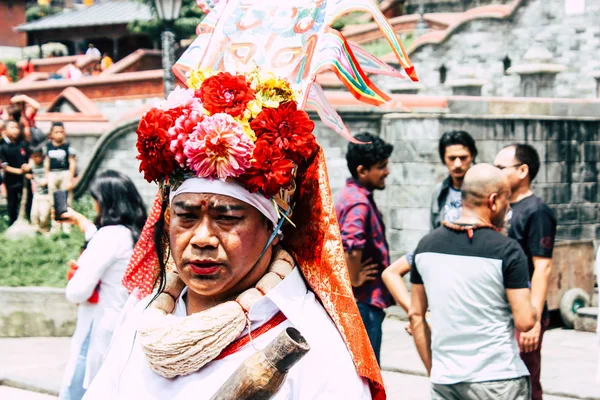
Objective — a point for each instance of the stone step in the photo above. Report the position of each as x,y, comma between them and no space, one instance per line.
586,319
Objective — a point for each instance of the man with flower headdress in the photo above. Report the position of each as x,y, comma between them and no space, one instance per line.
227,179
242,241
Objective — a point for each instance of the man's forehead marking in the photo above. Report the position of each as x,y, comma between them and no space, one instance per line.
212,200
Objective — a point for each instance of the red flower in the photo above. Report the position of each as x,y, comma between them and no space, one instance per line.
153,144
288,128
269,171
225,93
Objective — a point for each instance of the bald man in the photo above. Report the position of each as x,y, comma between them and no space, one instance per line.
476,281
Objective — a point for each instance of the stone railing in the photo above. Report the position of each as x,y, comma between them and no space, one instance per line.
35,311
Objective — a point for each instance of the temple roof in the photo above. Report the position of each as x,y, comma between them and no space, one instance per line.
108,13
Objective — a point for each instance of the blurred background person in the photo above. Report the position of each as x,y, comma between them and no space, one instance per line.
60,166
95,282
40,210
14,156
106,62
27,68
4,75
26,110
92,51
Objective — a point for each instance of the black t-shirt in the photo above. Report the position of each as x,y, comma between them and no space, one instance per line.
487,247
532,223
15,154
59,156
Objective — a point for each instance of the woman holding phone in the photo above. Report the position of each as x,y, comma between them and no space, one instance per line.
95,279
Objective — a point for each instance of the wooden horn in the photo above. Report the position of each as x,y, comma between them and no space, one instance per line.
263,373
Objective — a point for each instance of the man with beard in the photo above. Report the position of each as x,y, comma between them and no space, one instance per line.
476,281
363,230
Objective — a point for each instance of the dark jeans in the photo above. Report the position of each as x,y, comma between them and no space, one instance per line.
533,361
29,204
372,318
13,201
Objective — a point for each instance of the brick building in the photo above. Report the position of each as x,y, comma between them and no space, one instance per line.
103,24
12,13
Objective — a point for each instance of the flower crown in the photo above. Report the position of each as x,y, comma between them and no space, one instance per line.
244,127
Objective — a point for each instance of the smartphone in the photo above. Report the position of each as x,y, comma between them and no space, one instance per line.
60,204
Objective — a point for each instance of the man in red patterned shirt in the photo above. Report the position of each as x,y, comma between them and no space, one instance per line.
363,231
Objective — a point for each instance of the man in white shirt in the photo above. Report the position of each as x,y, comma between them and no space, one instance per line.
92,51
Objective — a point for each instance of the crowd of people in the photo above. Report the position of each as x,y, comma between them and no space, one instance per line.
477,307
101,62
34,164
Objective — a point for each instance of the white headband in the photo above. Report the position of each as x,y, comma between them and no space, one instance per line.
227,188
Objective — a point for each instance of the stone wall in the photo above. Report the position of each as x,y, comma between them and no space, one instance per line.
478,47
569,148
567,181
35,311
435,6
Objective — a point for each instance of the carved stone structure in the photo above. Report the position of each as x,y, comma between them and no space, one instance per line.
466,86
537,72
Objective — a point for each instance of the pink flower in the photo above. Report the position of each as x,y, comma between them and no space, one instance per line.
179,133
218,148
179,97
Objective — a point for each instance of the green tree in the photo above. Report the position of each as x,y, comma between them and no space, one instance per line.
184,27
36,12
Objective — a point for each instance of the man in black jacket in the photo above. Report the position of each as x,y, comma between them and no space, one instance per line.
457,151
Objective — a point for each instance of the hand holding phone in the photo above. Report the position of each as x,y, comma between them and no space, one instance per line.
60,204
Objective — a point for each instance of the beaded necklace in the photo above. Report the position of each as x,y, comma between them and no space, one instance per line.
468,228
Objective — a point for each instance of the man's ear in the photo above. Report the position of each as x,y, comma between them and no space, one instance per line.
523,171
360,170
492,199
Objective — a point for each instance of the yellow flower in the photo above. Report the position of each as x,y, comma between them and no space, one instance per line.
197,76
254,107
247,130
273,91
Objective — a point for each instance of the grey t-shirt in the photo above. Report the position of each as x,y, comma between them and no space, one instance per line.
39,177
453,206
473,333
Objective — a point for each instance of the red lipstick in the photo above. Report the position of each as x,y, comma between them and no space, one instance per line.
204,267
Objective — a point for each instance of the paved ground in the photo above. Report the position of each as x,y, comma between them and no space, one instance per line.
569,365
9,393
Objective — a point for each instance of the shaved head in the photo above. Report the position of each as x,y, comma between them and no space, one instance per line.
480,182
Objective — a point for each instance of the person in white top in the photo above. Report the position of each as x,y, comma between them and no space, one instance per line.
92,51
218,273
217,243
95,283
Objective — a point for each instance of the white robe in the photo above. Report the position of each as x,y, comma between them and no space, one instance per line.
326,371
104,260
